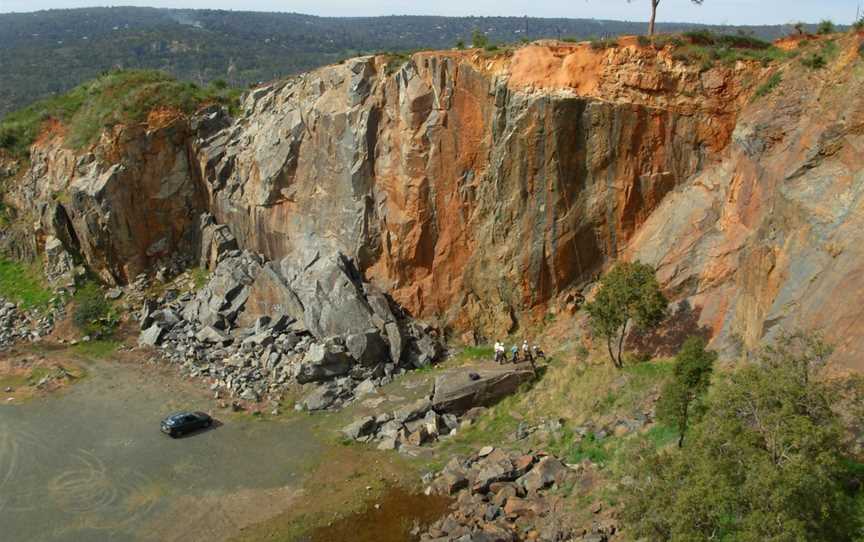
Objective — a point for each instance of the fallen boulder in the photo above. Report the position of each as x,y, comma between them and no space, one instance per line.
324,362
456,392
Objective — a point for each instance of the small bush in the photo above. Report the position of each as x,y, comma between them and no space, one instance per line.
700,37
643,41
814,61
826,26
93,315
666,40
603,44
571,39
460,45
491,48
395,61
768,86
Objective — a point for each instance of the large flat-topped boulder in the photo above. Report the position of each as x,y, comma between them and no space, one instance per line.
460,390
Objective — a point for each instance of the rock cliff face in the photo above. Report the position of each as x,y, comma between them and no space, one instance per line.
471,189
479,191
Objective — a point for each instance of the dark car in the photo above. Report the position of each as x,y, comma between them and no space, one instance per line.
185,422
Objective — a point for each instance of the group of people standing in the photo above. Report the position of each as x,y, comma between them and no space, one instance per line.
529,353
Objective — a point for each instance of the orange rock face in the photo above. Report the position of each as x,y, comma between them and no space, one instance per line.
481,190
472,189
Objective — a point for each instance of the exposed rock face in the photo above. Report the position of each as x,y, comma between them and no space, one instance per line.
457,186
770,238
477,191
126,205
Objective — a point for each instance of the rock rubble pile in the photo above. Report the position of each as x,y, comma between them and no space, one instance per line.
18,324
258,327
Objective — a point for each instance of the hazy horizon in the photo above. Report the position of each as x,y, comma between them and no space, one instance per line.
738,12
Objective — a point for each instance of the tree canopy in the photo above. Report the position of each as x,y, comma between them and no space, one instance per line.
681,397
766,462
628,293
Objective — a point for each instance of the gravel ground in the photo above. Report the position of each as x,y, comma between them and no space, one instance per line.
90,464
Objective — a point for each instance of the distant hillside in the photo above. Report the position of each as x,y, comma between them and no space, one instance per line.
52,51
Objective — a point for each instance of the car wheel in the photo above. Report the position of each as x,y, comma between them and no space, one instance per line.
209,423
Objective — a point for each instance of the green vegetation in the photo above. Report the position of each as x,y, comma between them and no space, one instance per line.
826,26
681,399
629,292
576,450
816,60
478,352
858,25
200,276
97,349
479,40
768,86
119,97
768,449
706,48
93,314
23,283
241,48
603,44
737,41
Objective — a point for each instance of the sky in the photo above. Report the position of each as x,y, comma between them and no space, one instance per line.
712,11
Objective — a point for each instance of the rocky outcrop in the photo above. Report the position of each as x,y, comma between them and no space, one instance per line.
769,238
478,191
472,190
19,325
331,334
503,496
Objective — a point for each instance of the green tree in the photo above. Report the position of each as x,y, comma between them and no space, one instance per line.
826,26
681,397
766,462
628,293
479,40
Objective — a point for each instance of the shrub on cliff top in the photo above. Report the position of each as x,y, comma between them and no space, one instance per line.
118,97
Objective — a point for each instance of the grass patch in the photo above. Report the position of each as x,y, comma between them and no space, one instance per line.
478,352
494,427
661,435
118,97
816,60
24,284
98,349
200,277
573,449
768,86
